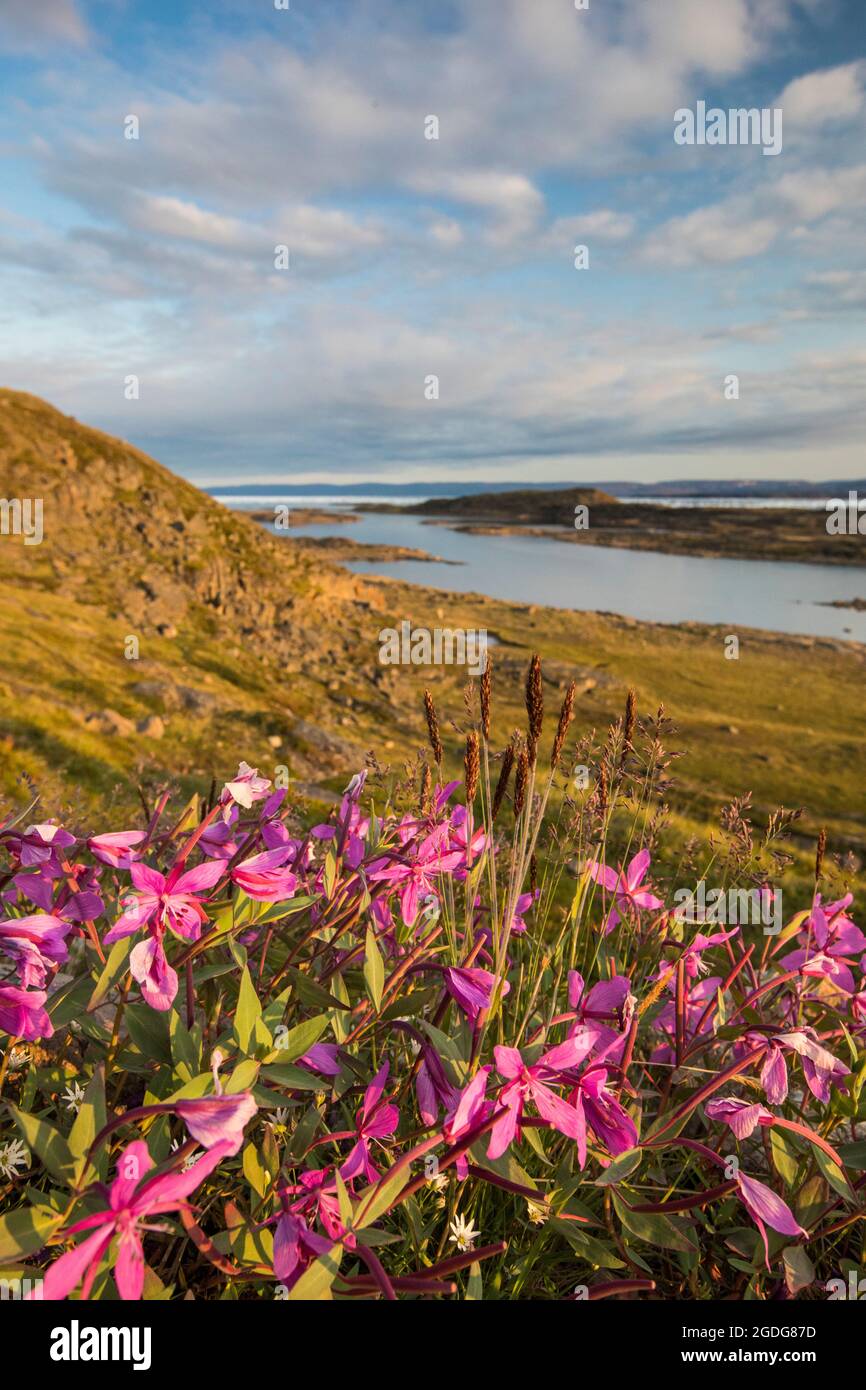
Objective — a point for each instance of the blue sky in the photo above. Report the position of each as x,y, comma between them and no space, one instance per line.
454,258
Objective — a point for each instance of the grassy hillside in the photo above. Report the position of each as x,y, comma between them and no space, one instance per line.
250,647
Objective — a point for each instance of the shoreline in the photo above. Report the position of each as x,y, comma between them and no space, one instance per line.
791,535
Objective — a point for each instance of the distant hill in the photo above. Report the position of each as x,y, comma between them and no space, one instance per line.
677,487
239,634
541,508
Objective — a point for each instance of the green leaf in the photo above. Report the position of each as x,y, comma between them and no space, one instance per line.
26,1230
148,1029
185,1052
293,1078
621,1168
243,1077
853,1155
111,972
249,1030
315,1284
277,911
376,1199
799,1270
347,1214
304,1133
654,1227
255,1171
374,969
88,1122
313,993
48,1143
292,1043
786,1158
475,1284
835,1176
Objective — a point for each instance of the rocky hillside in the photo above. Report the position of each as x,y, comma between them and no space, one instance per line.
151,621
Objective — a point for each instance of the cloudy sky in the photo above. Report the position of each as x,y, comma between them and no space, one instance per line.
412,257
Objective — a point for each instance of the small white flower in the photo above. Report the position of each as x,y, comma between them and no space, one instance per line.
440,1182
279,1120
73,1096
463,1233
537,1212
191,1159
13,1156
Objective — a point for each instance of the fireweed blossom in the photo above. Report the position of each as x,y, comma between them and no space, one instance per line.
22,1013
133,1200
162,902
472,989
741,1116
629,897
820,1067
37,945
767,1209
117,850
525,1083
416,873
376,1120
265,876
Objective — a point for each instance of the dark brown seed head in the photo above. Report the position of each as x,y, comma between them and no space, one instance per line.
628,722
534,706
433,727
602,789
504,774
565,717
521,777
819,853
471,764
533,874
485,699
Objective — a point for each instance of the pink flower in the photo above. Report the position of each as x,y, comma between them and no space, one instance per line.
162,902
375,1120
131,1205
531,1083
265,877
36,943
742,1116
598,1108
295,1247
625,886
218,1119
166,901
246,788
22,1014
117,850
472,988
39,844
415,874
764,1206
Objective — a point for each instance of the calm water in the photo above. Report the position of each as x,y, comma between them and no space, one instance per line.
640,584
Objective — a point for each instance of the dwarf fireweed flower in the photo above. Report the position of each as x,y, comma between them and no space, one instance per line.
376,1120
624,884
533,1083
131,1202
163,902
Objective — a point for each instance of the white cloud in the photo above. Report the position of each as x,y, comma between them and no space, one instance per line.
834,94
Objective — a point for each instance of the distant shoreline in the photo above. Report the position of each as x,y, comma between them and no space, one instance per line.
792,534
